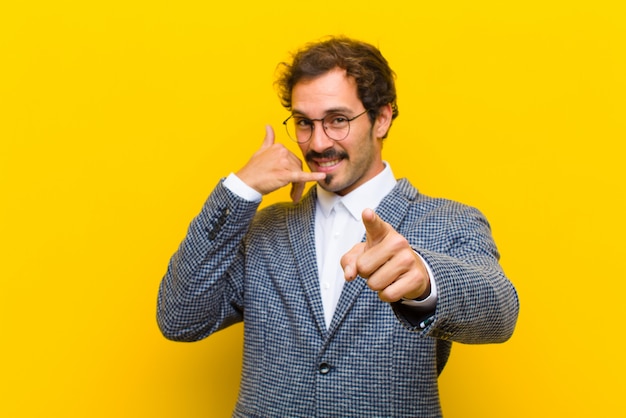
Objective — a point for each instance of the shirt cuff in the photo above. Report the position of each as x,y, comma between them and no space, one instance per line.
431,300
241,189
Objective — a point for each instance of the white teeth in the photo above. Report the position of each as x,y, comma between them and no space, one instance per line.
329,163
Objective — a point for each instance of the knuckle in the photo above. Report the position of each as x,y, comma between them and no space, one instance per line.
345,259
375,286
401,241
363,267
388,295
406,257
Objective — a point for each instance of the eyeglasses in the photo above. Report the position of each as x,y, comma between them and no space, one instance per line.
336,126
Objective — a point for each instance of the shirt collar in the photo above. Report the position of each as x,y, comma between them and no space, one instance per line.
368,195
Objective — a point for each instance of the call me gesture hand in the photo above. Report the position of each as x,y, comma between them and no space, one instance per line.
273,166
387,261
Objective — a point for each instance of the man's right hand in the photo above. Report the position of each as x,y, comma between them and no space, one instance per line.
273,166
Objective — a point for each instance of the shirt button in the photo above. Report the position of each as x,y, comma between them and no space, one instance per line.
324,368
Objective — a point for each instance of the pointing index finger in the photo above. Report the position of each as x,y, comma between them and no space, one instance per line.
375,228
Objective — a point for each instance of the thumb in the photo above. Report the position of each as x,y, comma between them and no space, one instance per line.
375,228
269,137
349,259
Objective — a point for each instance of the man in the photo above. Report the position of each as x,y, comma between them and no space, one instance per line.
351,295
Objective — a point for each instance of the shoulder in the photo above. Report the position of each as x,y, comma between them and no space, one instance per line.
423,204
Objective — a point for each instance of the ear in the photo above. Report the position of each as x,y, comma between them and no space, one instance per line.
383,121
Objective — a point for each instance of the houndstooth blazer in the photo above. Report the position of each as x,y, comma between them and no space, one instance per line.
376,359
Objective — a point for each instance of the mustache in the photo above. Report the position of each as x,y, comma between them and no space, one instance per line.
329,154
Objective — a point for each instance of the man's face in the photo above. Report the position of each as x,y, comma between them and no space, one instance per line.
357,158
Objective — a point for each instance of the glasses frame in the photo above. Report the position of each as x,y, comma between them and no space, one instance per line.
323,126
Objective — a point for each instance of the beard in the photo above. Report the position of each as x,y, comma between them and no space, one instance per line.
328,154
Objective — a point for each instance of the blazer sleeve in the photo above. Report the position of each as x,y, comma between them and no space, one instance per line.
203,286
476,302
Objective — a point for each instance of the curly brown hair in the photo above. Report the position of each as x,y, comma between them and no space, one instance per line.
362,61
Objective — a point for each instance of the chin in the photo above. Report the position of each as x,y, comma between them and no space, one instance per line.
328,185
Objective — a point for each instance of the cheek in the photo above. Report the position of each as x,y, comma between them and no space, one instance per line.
362,147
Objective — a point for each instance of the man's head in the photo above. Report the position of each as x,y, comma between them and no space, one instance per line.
328,88
362,61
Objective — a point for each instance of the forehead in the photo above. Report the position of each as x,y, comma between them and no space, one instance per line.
332,90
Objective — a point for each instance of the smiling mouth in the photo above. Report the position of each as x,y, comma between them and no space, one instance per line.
326,164
327,160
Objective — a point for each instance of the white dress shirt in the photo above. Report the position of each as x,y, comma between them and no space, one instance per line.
338,227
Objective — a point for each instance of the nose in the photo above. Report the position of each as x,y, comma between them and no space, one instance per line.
319,140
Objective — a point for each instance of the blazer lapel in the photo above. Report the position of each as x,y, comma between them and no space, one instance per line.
393,208
301,230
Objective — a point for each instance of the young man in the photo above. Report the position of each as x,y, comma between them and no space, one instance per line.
352,295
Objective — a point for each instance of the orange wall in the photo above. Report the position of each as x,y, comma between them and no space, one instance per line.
117,119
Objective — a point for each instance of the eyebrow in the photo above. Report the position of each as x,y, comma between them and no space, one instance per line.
342,110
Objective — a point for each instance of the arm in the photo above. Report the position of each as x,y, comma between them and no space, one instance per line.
476,303
202,290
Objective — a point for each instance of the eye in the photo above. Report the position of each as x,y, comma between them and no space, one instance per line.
336,120
302,123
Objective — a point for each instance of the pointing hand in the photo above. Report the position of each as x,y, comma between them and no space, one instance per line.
387,261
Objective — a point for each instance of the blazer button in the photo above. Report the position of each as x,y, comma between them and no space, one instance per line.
324,368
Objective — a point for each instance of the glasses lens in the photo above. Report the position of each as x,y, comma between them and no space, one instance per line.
337,126
299,129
